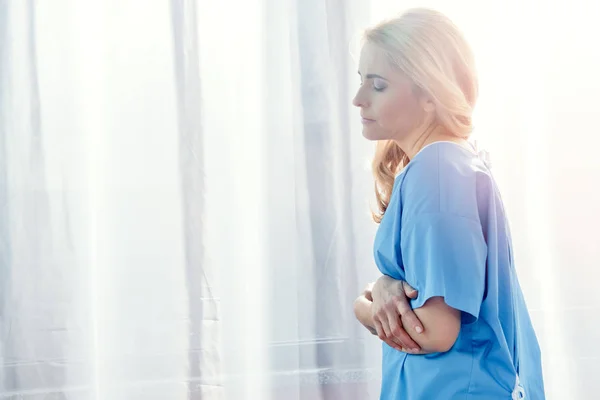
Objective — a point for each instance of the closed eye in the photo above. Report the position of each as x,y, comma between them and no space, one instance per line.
379,82
379,85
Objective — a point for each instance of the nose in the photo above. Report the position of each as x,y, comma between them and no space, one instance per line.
360,99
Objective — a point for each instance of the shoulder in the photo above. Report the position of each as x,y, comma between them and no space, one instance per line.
443,178
442,162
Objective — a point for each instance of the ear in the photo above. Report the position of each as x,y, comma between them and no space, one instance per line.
425,101
427,104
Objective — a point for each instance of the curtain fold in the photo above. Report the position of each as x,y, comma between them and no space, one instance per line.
203,361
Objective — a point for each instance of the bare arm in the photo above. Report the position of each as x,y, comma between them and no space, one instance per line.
442,326
441,322
400,340
362,311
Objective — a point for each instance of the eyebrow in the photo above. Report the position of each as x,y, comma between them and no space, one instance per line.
372,76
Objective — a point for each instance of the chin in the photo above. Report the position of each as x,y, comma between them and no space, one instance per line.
369,135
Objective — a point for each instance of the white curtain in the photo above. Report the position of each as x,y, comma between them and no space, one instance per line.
185,193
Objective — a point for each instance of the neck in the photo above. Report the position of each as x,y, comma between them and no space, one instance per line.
433,133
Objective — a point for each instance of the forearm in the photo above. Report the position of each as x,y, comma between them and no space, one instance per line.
441,327
440,324
362,311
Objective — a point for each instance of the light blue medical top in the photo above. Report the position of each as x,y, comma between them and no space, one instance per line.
445,232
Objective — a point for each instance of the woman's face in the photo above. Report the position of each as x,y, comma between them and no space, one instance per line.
390,106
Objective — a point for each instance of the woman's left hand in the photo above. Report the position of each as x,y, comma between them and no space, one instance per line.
391,307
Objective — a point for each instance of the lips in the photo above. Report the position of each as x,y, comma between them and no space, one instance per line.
367,120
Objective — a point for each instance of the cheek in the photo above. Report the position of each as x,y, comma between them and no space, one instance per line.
398,113
390,113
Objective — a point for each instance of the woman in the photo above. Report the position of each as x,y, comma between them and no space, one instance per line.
443,228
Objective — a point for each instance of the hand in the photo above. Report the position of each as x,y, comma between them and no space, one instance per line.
391,310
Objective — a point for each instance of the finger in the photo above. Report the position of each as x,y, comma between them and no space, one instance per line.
379,329
410,320
400,335
393,323
383,319
408,315
409,291
381,334
393,344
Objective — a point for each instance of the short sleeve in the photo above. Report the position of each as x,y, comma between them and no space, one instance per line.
445,255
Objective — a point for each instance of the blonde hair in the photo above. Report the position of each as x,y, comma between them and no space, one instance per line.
428,48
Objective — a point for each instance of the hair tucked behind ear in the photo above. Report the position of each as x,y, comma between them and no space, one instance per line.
429,49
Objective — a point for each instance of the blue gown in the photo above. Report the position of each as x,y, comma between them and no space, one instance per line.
445,232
